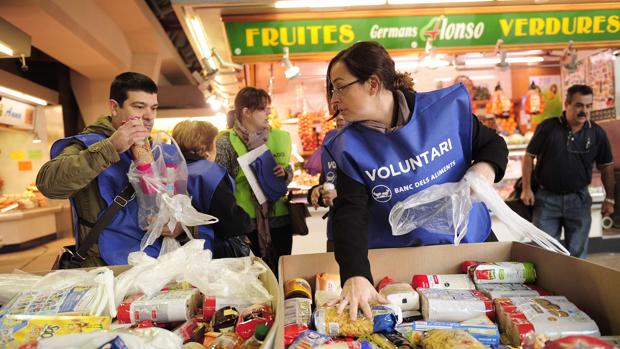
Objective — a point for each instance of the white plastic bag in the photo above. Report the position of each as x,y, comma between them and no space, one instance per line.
444,208
15,283
161,189
139,338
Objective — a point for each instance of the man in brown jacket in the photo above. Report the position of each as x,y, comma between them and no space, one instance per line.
91,169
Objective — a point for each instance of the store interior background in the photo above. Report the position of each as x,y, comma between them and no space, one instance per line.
75,49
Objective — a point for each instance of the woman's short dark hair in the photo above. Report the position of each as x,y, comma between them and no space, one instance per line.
248,97
581,89
130,81
366,58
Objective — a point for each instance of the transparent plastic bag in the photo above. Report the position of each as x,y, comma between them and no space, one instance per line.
13,284
161,190
442,208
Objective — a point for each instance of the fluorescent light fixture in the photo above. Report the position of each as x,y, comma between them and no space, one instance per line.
435,2
492,61
525,53
325,3
6,49
22,96
433,63
201,41
214,103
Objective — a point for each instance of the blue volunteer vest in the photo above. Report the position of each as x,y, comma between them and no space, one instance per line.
434,147
123,234
203,178
328,167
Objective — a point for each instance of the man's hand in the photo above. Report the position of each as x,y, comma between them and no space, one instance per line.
608,209
128,134
329,196
178,229
279,171
358,293
527,196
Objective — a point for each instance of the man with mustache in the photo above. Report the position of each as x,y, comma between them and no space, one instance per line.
91,170
565,148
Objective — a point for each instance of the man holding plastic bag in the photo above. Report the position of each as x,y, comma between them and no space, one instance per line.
91,170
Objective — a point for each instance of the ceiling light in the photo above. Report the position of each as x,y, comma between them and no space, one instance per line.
526,53
6,49
198,33
22,96
492,61
214,103
436,2
224,63
326,3
292,71
531,59
36,139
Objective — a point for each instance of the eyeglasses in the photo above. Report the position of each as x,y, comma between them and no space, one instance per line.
340,89
573,147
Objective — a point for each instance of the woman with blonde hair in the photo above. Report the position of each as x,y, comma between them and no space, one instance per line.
210,186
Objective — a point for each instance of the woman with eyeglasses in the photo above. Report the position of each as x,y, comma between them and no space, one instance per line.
398,143
248,129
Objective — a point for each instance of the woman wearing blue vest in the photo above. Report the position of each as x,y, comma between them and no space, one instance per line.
398,143
209,185
248,124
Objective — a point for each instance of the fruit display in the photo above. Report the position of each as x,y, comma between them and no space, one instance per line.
312,128
499,104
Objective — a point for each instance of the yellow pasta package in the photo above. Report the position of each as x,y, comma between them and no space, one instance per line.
450,339
16,330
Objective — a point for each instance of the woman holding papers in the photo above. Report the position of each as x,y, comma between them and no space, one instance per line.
211,188
248,129
398,142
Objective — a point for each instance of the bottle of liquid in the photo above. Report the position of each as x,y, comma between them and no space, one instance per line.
228,340
256,341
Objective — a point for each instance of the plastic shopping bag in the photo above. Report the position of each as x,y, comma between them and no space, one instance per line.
444,208
160,183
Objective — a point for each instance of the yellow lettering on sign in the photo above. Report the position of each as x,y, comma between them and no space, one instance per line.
506,26
553,26
250,33
537,27
520,23
584,25
328,30
314,34
301,35
270,36
284,40
613,24
598,20
566,26
346,34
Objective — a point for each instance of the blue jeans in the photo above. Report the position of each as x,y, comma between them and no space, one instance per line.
572,211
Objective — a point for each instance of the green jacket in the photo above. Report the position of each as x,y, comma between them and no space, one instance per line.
279,142
74,174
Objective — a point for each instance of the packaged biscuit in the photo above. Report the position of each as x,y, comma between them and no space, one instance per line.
327,321
19,329
503,273
454,305
73,300
450,339
401,294
451,281
551,316
164,306
494,291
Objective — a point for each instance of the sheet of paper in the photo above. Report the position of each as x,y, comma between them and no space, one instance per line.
244,162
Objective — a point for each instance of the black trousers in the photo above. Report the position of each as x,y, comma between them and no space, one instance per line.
281,240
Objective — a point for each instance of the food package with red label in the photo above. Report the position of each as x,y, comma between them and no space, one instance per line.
212,304
251,317
552,316
454,305
455,281
164,306
578,342
400,294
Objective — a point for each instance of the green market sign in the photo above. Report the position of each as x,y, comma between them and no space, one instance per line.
411,32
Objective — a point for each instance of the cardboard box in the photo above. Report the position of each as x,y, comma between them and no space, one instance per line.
269,281
592,287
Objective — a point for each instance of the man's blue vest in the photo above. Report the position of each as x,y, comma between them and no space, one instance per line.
203,178
123,234
434,147
328,167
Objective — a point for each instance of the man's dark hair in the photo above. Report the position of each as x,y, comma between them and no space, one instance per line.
130,81
581,89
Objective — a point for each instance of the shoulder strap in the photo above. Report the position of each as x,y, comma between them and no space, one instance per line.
119,202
